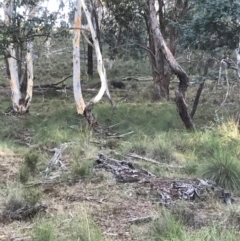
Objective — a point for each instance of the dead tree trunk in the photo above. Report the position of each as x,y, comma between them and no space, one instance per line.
175,67
90,58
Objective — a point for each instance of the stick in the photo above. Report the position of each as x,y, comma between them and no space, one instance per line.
122,135
152,161
141,220
143,158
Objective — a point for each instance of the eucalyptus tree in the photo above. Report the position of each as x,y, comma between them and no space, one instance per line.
23,22
82,108
212,30
127,27
161,45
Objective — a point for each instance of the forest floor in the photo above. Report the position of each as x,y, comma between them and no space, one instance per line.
142,177
84,200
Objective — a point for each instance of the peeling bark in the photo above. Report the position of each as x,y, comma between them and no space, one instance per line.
29,59
161,78
175,67
100,64
101,71
14,81
20,105
80,104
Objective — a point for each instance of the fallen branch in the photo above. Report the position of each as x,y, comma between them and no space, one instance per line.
143,78
123,171
141,220
22,214
153,161
142,158
120,136
55,160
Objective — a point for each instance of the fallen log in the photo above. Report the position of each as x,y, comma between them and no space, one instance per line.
22,214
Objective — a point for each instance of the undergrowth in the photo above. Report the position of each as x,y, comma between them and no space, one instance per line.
155,132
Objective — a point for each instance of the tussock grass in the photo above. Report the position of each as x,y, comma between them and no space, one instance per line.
44,232
224,170
18,197
64,227
168,228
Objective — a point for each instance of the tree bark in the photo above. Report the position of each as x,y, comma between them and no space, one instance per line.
90,58
175,67
14,81
160,78
100,65
29,60
80,104
197,98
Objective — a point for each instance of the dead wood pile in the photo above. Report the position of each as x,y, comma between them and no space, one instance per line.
22,214
166,190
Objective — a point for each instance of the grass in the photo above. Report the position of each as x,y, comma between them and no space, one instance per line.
62,227
167,228
211,152
44,232
224,170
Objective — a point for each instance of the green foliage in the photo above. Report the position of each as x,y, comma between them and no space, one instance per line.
125,35
166,227
24,174
82,169
224,170
31,159
211,25
29,167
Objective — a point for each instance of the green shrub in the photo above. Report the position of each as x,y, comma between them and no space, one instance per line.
24,174
81,169
31,160
166,227
222,169
14,201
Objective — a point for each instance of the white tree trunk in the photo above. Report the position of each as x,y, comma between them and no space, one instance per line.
12,62
238,59
14,81
100,65
76,60
29,59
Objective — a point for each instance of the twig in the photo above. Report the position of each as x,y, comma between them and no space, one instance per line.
40,183
122,135
88,41
227,93
114,125
64,79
